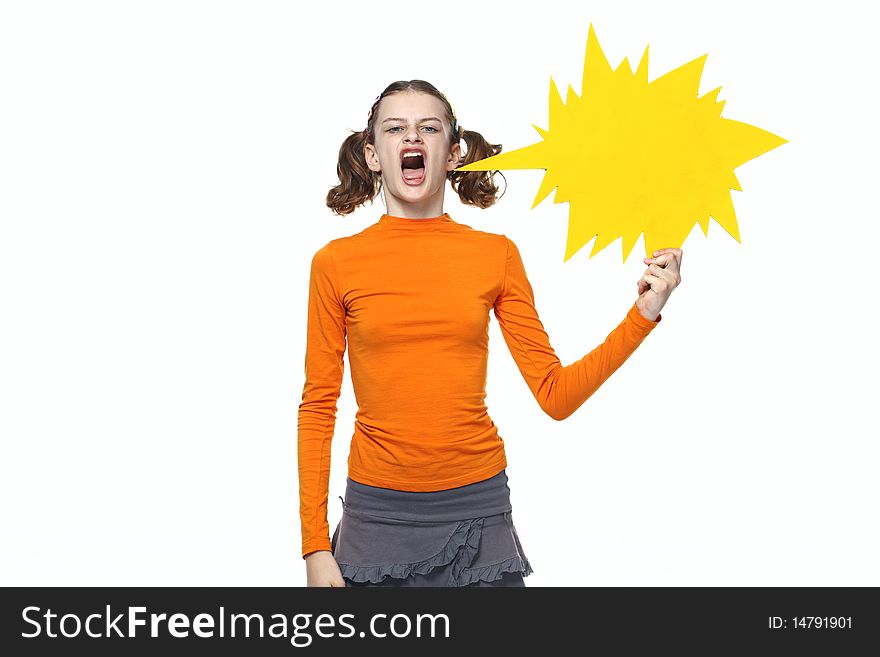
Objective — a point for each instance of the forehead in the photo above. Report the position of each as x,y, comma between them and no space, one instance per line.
411,105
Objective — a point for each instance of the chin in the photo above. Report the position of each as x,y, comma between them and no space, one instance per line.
419,192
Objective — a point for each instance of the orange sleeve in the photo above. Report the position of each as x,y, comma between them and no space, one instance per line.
325,346
560,390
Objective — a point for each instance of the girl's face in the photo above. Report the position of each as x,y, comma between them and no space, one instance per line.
412,122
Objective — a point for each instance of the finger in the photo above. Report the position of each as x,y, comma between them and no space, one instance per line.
648,280
658,270
674,252
661,259
671,278
668,262
659,284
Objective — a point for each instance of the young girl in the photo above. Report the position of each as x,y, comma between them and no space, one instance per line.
426,500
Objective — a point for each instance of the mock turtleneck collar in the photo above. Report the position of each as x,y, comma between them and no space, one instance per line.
392,220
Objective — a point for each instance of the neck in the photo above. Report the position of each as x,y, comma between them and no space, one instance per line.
429,207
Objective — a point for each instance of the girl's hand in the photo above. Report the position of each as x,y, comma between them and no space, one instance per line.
661,277
322,570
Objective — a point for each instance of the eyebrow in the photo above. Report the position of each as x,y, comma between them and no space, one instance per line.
397,118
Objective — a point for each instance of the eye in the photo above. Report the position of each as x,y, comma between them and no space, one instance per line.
397,127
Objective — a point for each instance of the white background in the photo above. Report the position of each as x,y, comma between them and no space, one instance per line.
163,170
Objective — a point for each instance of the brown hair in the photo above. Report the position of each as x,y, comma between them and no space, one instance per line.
358,184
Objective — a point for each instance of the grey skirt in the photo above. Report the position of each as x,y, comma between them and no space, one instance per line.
460,536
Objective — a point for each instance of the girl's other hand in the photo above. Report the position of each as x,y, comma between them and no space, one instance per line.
322,570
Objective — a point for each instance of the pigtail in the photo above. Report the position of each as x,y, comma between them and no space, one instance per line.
476,188
357,183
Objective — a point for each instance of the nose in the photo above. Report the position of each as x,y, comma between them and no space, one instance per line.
412,134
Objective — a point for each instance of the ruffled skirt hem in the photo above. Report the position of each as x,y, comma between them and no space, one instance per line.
460,551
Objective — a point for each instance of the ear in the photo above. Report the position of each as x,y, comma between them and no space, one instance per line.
454,159
372,158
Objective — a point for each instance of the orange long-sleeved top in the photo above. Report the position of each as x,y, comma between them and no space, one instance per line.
412,299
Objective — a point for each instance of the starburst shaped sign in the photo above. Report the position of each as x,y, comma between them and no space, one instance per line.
632,156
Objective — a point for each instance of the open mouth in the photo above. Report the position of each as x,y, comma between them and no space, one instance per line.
412,167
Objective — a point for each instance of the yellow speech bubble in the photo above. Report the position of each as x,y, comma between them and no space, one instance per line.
633,157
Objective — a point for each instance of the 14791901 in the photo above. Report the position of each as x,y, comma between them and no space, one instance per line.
810,623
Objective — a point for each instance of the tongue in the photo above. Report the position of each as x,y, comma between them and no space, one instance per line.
414,174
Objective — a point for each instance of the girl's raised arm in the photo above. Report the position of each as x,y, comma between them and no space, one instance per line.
560,390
